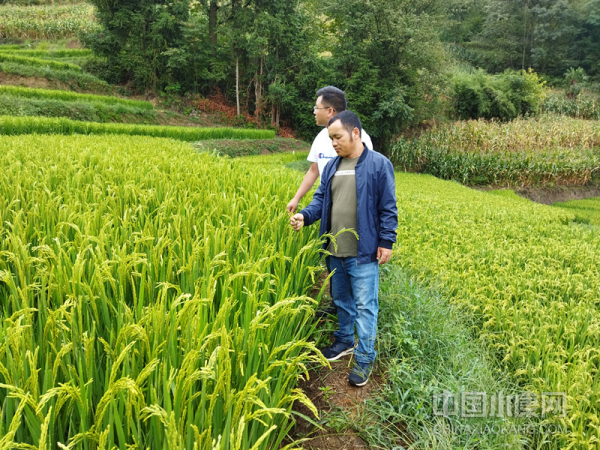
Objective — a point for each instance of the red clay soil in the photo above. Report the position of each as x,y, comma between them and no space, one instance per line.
330,392
549,195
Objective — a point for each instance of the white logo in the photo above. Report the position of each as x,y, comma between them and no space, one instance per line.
341,173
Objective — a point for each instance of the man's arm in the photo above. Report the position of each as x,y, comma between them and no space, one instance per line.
388,212
307,183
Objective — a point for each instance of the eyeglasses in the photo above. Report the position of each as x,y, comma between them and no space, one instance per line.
325,107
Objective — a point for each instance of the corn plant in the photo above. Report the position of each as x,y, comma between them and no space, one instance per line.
152,297
555,150
44,125
46,21
17,91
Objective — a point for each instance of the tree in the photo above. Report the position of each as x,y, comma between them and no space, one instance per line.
138,36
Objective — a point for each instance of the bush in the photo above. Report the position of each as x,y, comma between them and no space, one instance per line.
505,96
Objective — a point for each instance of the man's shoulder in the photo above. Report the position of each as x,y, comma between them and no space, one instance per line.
322,136
379,157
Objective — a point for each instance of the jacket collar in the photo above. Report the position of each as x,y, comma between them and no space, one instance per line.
338,159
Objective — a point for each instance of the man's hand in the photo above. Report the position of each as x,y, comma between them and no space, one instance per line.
383,254
297,221
292,205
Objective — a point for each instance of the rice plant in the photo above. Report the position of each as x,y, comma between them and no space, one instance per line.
32,61
44,125
527,278
83,80
17,91
152,296
62,53
586,210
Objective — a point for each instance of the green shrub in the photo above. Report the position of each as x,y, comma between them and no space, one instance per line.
41,125
504,96
71,96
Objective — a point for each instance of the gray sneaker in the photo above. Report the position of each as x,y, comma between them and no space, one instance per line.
337,350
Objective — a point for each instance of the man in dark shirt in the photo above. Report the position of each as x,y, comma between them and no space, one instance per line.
357,192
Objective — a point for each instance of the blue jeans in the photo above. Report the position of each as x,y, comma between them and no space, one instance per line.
355,289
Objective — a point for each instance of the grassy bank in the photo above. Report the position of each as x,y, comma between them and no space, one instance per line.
75,110
425,348
66,96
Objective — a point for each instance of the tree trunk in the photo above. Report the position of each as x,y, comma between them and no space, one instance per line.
237,84
258,87
212,23
524,35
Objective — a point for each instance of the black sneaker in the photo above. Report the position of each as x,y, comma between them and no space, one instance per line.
337,350
360,374
331,311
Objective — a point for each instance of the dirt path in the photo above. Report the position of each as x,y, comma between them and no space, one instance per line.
337,402
550,195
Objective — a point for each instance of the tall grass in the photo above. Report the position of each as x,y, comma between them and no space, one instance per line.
67,96
152,296
425,346
47,21
42,125
555,150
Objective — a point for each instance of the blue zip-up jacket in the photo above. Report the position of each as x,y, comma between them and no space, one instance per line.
376,204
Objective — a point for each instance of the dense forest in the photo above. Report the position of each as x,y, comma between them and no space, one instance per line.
401,62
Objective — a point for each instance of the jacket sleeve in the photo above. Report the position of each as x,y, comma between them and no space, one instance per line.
314,210
387,209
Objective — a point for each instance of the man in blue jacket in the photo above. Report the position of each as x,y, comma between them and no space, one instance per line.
357,192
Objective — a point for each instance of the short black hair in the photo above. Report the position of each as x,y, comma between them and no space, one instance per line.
334,97
349,120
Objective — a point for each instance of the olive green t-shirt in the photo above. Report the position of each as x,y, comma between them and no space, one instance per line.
343,208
